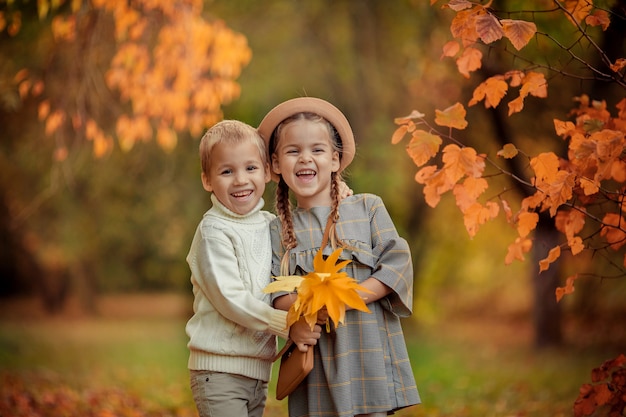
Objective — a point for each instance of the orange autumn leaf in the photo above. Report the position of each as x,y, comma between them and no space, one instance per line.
408,119
553,255
535,84
564,129
560,190
508,151
516,105
477,214
576,245
470,60
588,186
517,249
423,147
399,134
450,49
546,166
507,210
569,222
468,192
526,223
458,5
612,230
488,28
619,65
599,18
491,90
463,25
567,289
519,32
453,117
326,287
577,10
459,162
435,184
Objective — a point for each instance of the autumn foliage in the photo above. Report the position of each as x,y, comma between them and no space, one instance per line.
171,71
582,191
606,394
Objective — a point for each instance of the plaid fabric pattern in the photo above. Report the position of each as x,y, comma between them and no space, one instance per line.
362,366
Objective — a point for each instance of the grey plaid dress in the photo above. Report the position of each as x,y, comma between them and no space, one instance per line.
363,365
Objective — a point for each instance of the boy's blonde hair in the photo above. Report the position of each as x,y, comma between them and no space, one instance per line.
229,132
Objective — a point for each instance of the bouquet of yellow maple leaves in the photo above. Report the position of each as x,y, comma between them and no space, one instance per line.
324,287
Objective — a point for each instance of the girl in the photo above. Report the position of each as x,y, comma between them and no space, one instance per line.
362,367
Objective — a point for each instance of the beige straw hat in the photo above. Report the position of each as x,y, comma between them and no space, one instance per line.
319,107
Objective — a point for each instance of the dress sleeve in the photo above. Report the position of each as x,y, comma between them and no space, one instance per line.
393,266
218,276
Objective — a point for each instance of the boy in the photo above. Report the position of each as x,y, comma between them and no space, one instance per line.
233,329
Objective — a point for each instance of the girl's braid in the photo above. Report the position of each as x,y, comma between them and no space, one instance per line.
288,237
334,211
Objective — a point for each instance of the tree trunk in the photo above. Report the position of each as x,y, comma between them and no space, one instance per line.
546,310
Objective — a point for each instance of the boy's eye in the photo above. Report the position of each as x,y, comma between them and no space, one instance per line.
252,168
226,172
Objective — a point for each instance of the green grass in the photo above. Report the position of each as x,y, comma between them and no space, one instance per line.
461,370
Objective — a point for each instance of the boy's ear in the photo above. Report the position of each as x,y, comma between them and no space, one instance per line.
206,183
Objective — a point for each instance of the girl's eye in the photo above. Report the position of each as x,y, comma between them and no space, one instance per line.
252,168
226,172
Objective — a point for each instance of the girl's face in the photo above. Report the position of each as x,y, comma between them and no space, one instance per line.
305,158
237,176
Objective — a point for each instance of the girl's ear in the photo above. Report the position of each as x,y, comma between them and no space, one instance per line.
275,165
206,183
268,174
336,163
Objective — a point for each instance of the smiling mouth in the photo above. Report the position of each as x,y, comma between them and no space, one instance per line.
305,173
242,194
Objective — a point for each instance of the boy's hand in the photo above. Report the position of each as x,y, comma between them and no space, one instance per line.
344,190
303,336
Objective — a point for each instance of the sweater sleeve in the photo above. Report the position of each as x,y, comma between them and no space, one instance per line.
217,273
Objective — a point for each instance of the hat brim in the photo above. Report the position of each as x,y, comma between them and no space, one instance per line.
310,105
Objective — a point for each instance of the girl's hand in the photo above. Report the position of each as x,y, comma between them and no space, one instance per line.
303,336
322,316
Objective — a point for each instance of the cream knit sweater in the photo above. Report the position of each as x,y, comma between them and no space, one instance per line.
233,327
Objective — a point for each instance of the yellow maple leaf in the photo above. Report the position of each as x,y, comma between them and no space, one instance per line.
324,287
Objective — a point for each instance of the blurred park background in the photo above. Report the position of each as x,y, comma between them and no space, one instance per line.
95,289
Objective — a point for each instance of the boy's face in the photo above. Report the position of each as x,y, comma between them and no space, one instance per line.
237,176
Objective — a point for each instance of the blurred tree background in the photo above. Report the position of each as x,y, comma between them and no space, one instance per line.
74,226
